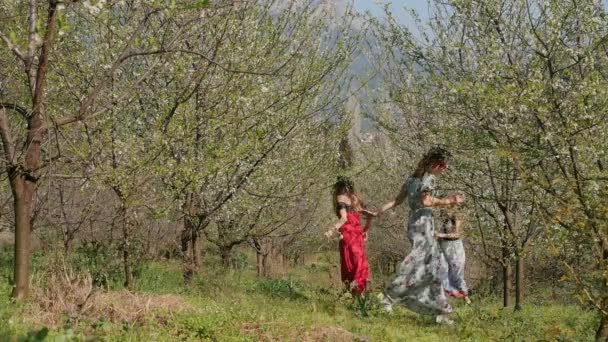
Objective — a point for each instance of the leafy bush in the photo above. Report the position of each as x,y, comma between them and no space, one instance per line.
101,261
37,261
239,260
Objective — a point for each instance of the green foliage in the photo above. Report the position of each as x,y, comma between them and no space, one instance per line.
101,261
7,309
200,327
6,263
281,288
160,278
37,262
240,260
36,336
199,4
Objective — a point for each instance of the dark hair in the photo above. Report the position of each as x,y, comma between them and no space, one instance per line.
345,186
435,154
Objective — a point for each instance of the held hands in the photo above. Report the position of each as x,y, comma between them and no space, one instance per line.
369,213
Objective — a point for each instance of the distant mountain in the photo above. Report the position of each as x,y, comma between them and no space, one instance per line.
360,106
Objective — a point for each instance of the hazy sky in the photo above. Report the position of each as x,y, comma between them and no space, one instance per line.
397,7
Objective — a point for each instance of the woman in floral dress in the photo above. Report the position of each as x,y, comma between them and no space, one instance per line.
418,283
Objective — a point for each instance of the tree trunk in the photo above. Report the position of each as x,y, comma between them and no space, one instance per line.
226,256
519,282
69,232
506,279
266,250
126,246
266,273
258,263
22,199
196,251
257,246
190,249
185,243
23,177
506,285
602,331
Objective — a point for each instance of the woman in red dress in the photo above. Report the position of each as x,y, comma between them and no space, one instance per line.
353,260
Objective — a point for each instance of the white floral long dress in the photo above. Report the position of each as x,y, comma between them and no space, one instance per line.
454,260
418,282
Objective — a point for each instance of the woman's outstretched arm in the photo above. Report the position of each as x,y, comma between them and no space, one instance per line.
430,201
397,201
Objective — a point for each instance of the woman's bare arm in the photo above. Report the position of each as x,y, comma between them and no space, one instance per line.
342,220
397,201
429,201
333,231
447,236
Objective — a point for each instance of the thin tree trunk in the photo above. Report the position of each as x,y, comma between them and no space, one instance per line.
23,177
602,331
258,263
22,207
266,266
506,285
189,239
190,266
506,279
519,282
266,253
126,246
190,246
196,251
258,247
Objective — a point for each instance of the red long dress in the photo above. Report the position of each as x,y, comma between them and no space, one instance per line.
353,260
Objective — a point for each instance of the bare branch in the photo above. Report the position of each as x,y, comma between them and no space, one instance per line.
17,108
13,48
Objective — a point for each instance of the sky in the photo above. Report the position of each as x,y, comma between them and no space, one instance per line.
397,8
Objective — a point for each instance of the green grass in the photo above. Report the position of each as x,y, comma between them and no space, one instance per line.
236,306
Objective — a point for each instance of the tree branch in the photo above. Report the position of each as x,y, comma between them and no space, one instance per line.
17,108
13,48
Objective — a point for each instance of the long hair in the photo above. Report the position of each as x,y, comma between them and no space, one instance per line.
435,154
344,186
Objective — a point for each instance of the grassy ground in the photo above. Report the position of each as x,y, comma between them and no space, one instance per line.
235,306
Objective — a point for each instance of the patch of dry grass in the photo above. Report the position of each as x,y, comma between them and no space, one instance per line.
72,298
